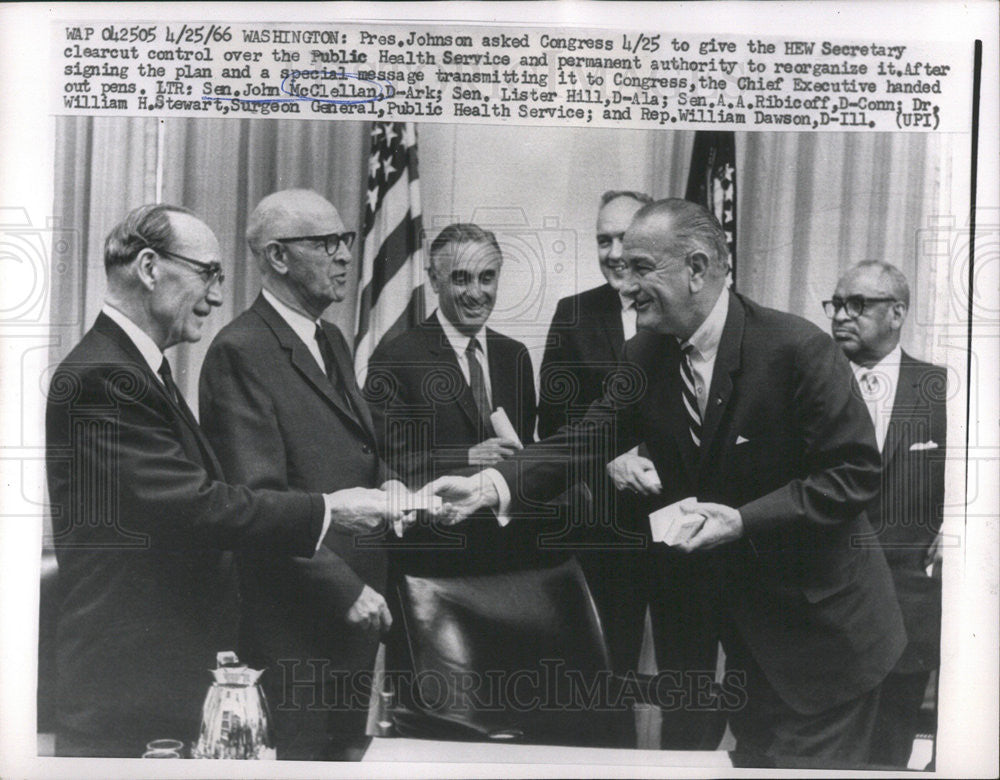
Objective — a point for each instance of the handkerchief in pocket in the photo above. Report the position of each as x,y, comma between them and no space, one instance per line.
923,445
741,440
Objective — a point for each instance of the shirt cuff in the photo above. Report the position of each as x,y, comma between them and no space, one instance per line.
327,518
503,492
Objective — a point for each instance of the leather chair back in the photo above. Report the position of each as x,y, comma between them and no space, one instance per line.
515,656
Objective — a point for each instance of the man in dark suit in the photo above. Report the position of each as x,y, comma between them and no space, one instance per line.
756,416
432,391
282,409
584,345
625,572
906,401
142,520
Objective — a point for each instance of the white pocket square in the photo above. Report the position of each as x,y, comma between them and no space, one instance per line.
741,440
923,445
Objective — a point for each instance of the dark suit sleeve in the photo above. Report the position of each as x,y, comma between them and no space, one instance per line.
393,390
543,470
133,450
552,411
238,418
839,457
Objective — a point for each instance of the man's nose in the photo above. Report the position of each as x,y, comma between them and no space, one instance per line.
214,293
840,314
630,282
615,252
343,254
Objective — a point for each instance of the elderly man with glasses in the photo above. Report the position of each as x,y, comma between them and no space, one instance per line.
906,401
281,406
143,519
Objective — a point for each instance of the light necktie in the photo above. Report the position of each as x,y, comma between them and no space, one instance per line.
689,397
478,384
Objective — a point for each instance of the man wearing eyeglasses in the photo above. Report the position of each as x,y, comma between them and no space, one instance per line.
142,520
906,401
281,406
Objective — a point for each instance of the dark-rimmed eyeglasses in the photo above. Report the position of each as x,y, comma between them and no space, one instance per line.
209,272
853,305
330,242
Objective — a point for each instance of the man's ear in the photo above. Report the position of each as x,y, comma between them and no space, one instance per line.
898,314
146,269
432,275
274,256
697,261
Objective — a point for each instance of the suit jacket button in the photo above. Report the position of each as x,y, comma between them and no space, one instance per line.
366,449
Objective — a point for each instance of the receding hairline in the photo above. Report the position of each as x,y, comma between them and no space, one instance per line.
278,205
899,286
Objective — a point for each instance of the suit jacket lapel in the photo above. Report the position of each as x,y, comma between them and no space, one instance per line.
907,389
111,329
727,363
503,377
344,364
439,346
305,363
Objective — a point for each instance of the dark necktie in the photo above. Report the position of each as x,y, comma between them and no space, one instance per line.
478,384
175,394
330,365
690,397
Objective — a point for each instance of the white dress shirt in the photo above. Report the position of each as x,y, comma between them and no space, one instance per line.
459,343
878,389
628,316
705,348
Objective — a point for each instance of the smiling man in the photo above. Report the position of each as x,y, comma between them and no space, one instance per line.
754,414
432,391
281,406
142,519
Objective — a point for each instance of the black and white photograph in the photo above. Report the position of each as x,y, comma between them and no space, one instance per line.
469,390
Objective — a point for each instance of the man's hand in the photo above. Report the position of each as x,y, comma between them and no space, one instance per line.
362,509
492,451
635,473
722,524
370,612
464,495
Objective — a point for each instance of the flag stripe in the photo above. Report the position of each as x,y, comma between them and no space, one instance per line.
392,256
391,280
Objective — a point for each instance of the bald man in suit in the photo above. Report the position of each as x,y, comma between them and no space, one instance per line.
281,407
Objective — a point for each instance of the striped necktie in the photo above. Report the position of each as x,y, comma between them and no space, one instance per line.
690,397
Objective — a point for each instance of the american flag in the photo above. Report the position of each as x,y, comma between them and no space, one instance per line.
712,181
392,267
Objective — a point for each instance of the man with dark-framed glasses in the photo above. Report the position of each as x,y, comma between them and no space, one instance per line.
906,402
281,406
143,520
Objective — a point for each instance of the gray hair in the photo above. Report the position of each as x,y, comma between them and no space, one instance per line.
693,227
143,227
461,233
639,197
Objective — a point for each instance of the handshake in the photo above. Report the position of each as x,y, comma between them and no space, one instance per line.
448,500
